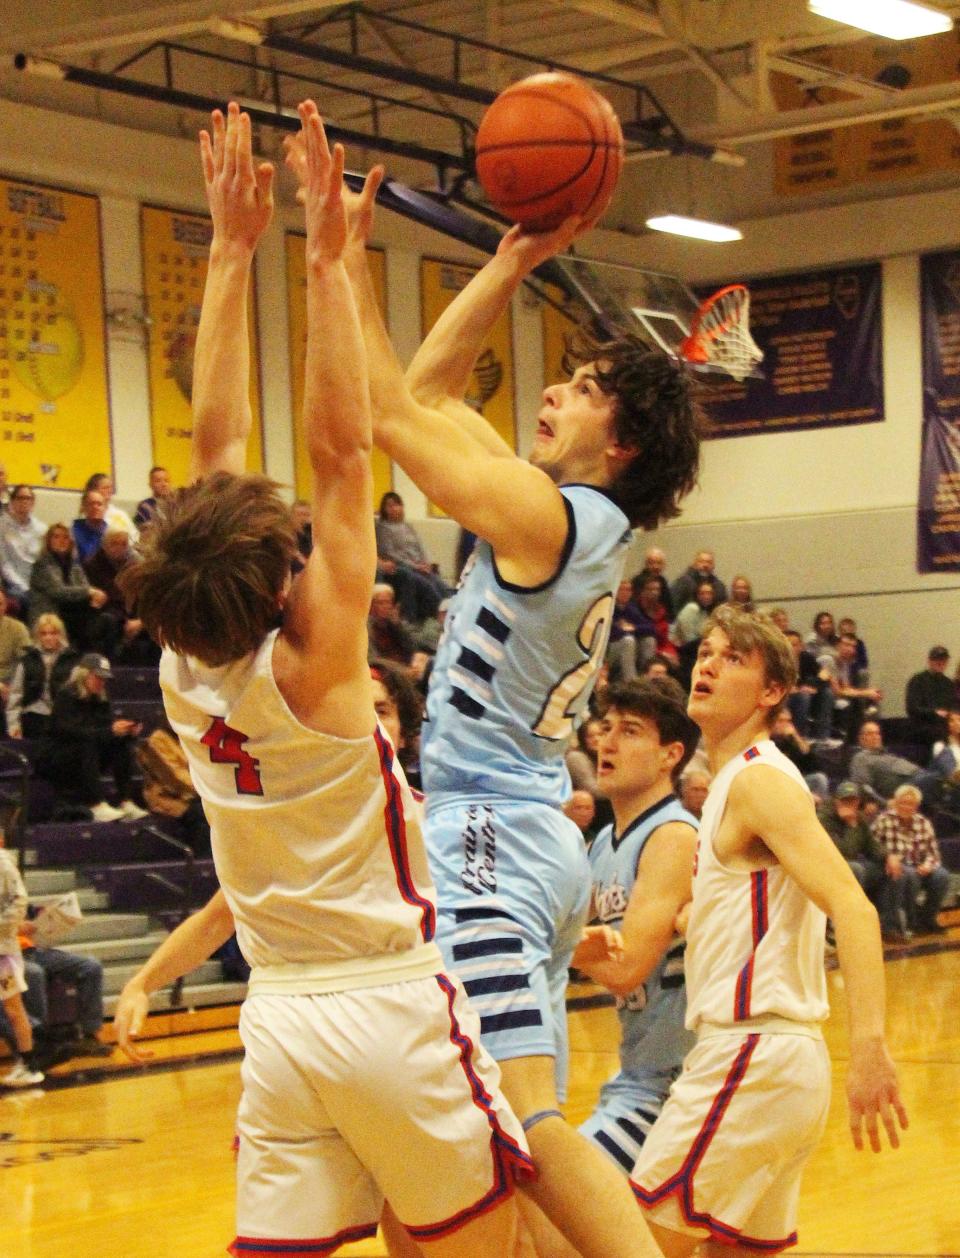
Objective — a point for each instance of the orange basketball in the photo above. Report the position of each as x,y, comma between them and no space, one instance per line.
548,147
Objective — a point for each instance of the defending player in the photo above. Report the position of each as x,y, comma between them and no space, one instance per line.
359,1050
616,447
641,869
724,1160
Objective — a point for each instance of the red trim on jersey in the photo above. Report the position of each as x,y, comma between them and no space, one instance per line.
751,753
680,1184
396,828
293,1248
760,923
511,1163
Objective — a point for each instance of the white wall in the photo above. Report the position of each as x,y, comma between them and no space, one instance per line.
822,518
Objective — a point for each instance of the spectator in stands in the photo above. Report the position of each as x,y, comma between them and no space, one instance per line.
780,618
883,771
945,766
656,619
659,665
390,639
581,759
853,698
14,640
42,669
85,975
13,907
59,584
812,680
929,698
21,541
115,516
848,625
694,786
788,739
684,589
842,819
4,488
741,593
913,864
131,644
688,626
400,555
90,525
823,640
654,565
85,740
632,639
581,808
160,489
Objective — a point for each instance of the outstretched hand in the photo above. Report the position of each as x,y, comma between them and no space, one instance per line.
530,249
323,188
873,1097
128,1020
597,944
239,193
359,206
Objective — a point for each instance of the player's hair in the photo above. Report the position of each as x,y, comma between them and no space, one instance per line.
754,631
404,694
656,411
214,567
660,700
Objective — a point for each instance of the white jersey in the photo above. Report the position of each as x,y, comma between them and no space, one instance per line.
316,839
755,941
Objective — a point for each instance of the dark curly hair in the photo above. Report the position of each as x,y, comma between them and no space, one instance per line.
656,411
661,701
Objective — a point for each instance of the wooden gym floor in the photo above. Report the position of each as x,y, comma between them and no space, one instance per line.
111,1163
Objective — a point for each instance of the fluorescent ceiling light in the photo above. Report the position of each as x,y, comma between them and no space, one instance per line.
699,228
895,19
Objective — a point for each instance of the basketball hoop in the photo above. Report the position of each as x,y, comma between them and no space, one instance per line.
720,333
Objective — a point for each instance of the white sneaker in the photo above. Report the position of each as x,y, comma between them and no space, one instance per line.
106,812
21,1076
132,811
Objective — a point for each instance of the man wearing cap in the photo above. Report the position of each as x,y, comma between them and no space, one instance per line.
85,740
842,819
930,696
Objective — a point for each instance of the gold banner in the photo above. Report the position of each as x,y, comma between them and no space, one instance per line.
297,323
871,152
175,249
54,397
558,327
490,391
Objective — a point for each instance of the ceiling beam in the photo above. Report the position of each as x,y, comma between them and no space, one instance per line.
620,13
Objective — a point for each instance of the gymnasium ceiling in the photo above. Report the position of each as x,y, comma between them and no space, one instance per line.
715,69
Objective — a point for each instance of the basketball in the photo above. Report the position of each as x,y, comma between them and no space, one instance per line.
549,147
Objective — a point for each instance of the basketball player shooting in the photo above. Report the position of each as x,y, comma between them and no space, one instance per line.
721,1166
359,1050
616,446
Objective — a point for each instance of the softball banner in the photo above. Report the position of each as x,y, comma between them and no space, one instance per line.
175,250
54,398
490,391
297,323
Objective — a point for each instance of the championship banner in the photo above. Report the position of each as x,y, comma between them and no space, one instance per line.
823,358
175,247
875,152
54,395
297,323
490,391
938,506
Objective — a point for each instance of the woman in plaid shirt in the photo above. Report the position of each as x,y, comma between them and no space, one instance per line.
913,861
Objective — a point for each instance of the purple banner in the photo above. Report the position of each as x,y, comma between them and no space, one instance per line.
822,367
938,503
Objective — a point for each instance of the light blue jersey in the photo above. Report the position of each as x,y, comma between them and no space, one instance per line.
653,1039
516,667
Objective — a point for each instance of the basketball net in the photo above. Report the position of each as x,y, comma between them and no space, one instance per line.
720,333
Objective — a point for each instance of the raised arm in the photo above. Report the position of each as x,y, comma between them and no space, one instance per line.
768,805
662,888
240,196
325,638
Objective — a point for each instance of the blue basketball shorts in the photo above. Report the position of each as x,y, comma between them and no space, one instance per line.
513,888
